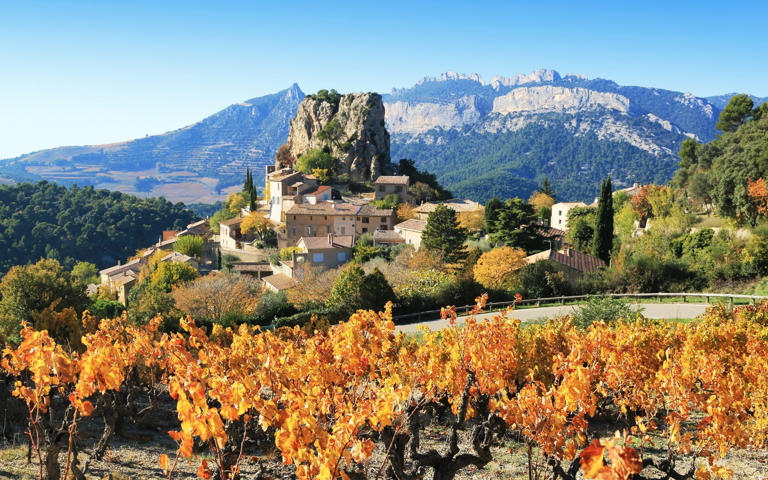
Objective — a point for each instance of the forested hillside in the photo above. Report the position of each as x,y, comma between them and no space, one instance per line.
80,224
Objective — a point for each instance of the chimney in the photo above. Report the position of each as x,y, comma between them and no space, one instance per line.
118,263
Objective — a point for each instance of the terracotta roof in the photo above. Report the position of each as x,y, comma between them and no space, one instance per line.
279,281
582,262
318,190
549,232
413,225
387,236
176,257
169,234
393,180
457,205
328,241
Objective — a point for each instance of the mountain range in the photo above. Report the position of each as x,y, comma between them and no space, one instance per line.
480,138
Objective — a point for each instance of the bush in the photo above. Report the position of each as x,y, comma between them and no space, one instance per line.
605,309
540,280
273,305
107,308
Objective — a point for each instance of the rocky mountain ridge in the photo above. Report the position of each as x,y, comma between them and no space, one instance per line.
502,136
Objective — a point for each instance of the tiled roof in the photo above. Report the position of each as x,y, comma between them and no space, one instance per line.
413,225
392,180
318,190
457,205
387,236
328,241
582,262
176,257
549,232
374,211
323,208
279,281
232,221
570,204
119,268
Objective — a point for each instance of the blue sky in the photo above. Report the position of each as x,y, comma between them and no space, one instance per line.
86,72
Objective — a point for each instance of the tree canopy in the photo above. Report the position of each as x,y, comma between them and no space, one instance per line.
444,235
45,220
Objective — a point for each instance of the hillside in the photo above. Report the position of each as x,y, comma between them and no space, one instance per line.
80,224
502,137
479,138
193,164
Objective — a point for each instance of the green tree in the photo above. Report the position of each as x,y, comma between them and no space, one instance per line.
515,225
443,235
191,245
169,274
106,308
314,160
421,192
602,241
738,110
581,228
547,188
353,290
30,289
84,273
492,210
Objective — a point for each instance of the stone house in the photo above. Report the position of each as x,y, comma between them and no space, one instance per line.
560,211
337,218
230,235
328,251
286,188
387,185
458,205
410,231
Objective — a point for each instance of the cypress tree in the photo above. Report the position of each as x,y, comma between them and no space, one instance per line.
602,241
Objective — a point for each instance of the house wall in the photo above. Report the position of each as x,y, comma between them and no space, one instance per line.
559,217
330,258
411,237
364,224
382,190
226,238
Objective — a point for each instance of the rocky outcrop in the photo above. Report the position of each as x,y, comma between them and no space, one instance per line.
403,117
351,128
558,99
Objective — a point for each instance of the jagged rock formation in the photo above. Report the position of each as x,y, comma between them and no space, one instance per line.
351,129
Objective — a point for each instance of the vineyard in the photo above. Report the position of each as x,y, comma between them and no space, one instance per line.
636,399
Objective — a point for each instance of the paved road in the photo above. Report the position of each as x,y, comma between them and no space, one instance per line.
650,310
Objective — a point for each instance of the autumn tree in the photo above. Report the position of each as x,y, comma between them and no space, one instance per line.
496,269
472,221
444,235
313,287
758,194
217,296
257,224
405,212
170,274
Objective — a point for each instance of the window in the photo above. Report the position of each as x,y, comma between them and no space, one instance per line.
366,220
293,231
317,258
327,229
382,188
365,230
341,257
383,219
560,212
325,218
294,217
398,189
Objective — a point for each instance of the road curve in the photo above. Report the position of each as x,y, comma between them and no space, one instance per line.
649,310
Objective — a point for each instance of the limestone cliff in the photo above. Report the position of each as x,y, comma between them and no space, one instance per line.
351,127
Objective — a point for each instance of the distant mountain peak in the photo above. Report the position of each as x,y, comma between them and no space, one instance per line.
449,75
537,76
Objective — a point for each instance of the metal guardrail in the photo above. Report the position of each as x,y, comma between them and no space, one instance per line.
491,306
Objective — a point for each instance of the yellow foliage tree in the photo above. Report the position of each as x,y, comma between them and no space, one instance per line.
256,223
405,212
472,221
541,199
497,268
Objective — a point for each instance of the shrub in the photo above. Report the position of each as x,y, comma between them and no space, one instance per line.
607,309
107,308
191,245
273,305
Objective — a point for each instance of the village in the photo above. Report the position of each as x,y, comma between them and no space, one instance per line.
314,226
